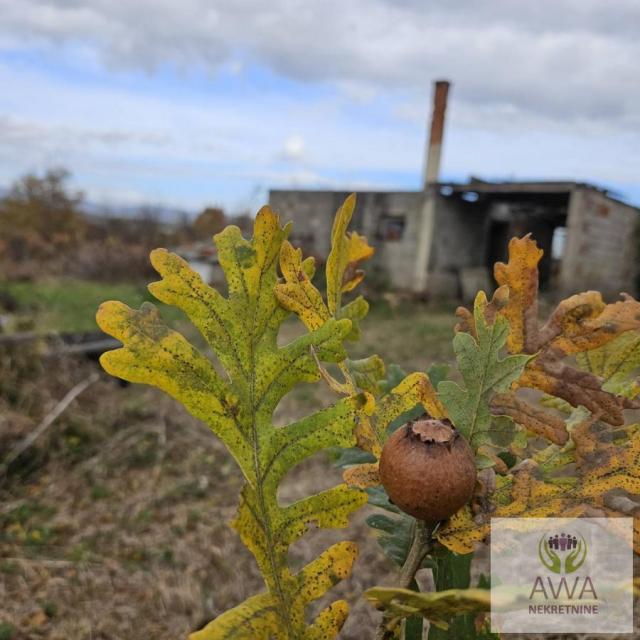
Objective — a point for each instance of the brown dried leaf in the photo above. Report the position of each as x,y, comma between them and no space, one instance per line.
579,324
534,419
520,274
602,467
576,387
584,322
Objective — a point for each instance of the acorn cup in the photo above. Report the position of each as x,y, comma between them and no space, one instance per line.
428,469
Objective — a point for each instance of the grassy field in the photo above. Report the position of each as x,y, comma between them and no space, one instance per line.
69,305
413,335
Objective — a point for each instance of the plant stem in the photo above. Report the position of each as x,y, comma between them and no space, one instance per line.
420,547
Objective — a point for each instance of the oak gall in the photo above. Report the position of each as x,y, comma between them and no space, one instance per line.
428,469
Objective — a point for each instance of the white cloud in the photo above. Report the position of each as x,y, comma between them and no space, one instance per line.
566,60
22,132
544,89
293,149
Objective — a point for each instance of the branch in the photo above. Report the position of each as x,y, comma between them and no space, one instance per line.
420,546
49,419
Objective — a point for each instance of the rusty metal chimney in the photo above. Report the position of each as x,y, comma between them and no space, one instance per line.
434,145
429,180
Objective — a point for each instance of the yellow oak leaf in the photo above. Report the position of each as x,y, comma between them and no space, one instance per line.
438,607
601,468
241,329
347,251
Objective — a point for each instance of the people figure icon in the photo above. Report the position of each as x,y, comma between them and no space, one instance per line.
563,541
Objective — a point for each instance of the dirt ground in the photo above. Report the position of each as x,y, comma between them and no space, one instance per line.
128,538
114,524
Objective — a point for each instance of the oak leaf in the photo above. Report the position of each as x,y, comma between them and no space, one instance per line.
241,329
484,372
579,324
298,294
615,362
438,607
575,482
348,249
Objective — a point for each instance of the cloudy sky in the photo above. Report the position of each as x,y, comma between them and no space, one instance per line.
214,101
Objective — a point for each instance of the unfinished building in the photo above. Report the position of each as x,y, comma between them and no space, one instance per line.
442,241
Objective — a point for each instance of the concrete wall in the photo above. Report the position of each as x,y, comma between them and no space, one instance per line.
396,258
312,213
458,245
600,251
601,247
459,230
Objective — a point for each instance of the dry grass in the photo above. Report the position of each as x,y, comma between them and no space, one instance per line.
116,524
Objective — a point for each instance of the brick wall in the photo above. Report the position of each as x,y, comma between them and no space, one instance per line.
312,213
601,248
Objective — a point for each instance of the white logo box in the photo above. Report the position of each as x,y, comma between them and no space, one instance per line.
562,575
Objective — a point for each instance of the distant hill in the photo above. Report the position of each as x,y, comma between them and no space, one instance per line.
162,213
114,210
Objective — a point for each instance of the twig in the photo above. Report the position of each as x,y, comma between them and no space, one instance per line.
40,561
49,419
420,546
116,441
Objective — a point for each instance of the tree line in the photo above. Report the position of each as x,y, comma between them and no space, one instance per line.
46,229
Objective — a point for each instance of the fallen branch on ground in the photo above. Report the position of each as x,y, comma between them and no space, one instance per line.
49,419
